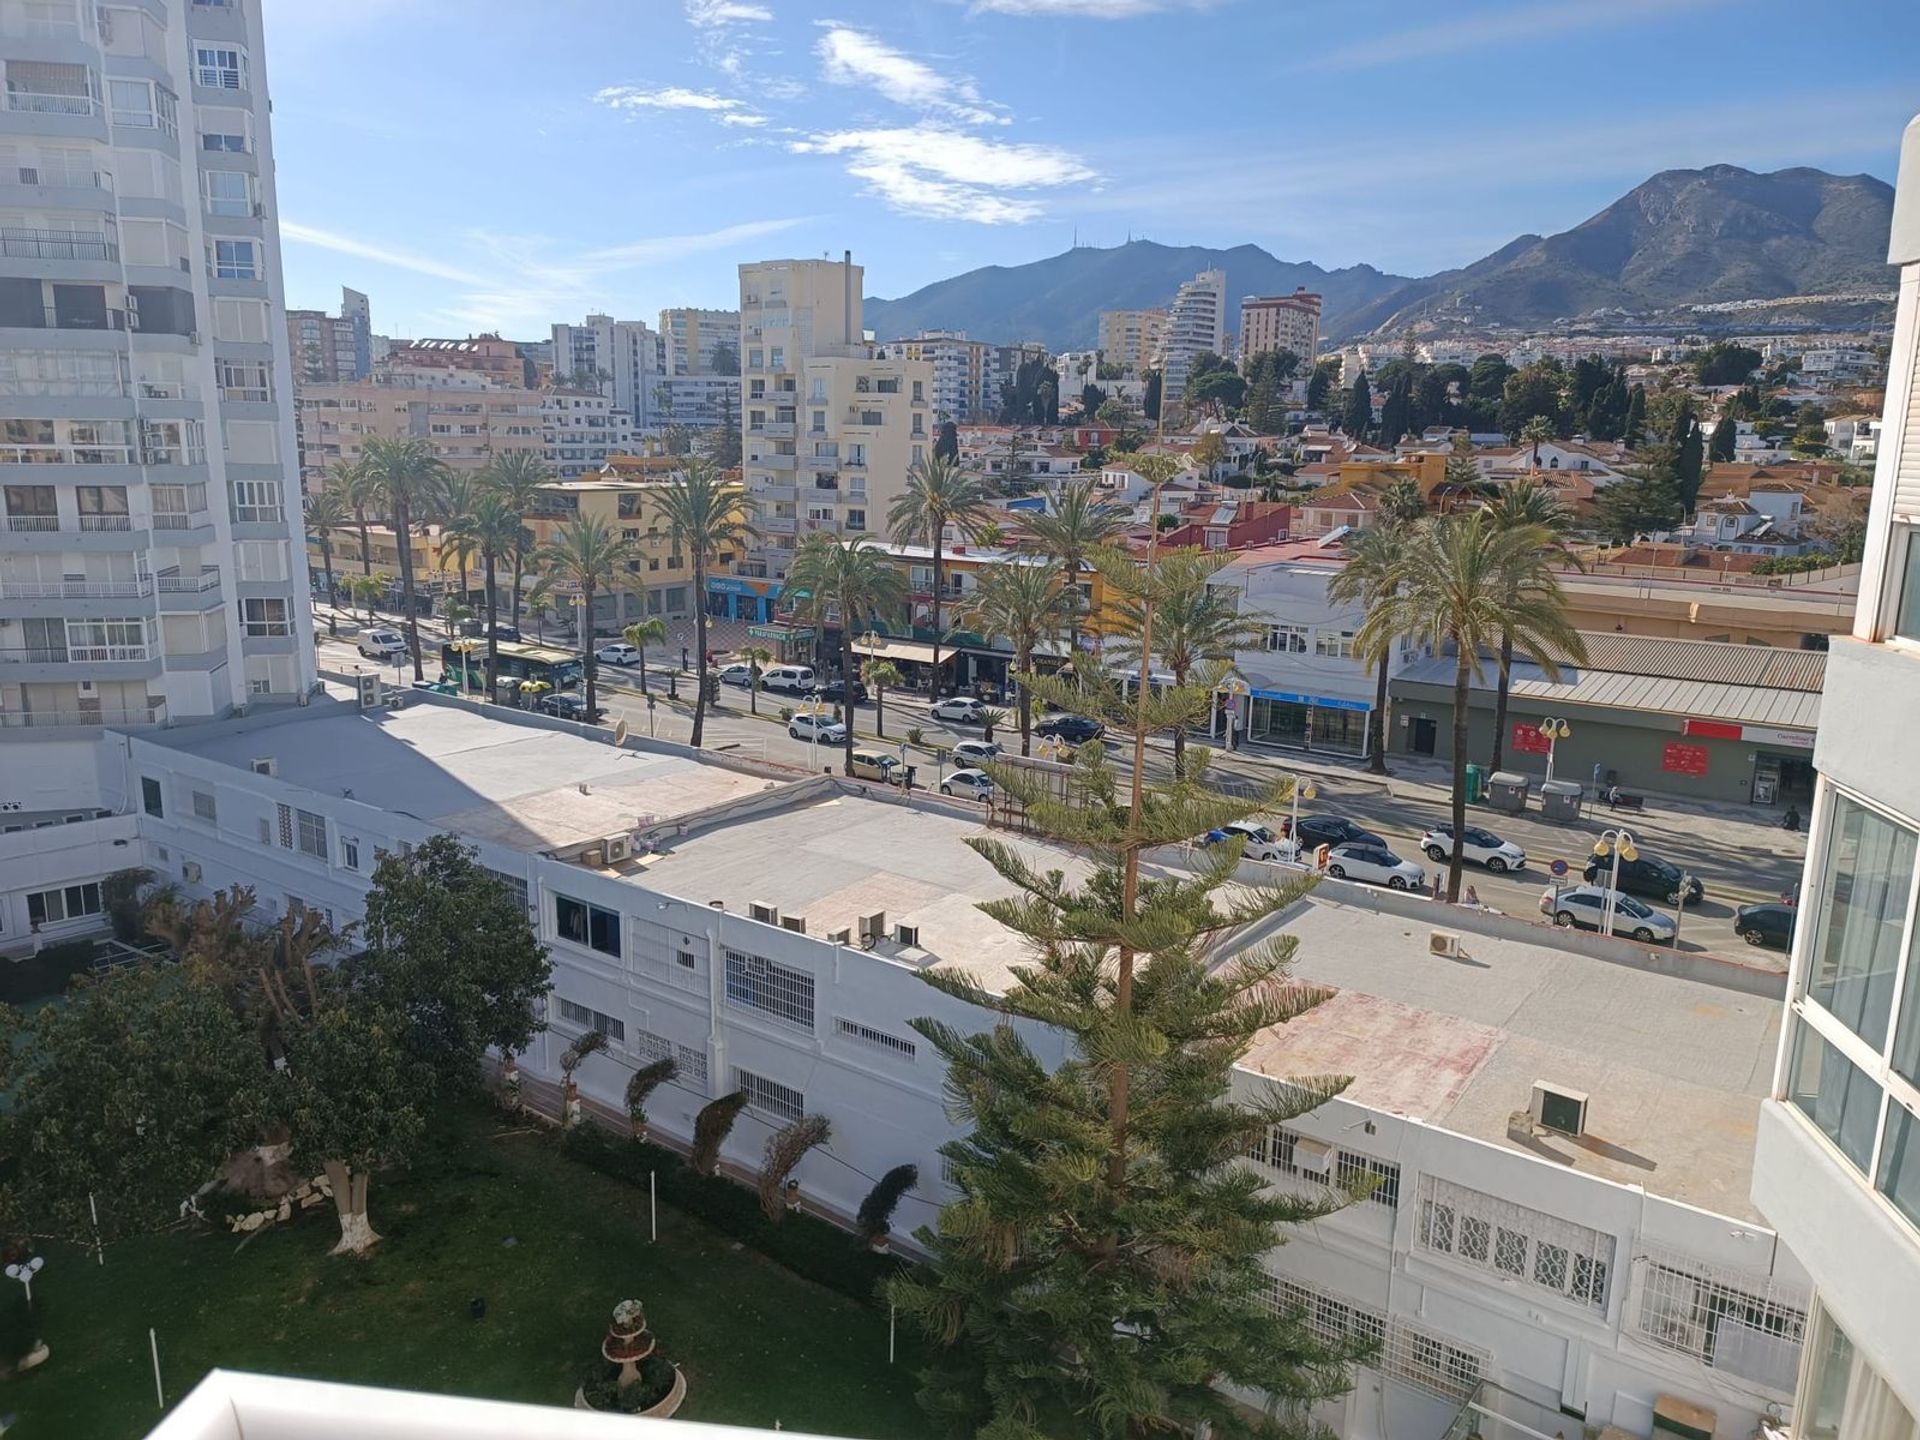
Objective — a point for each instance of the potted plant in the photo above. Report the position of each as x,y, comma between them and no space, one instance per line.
570,1061
634,1377
645,1081
875,1218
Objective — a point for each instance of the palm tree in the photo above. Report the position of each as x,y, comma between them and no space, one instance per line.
1517,507
404,476
1369,578
539,597
517,475
938,494
642,633
1537,429
366,589
1027,606
847,582
1401,503
326,517
757,658
1465,583
586,554
1195,624
350,478
707,515
880,675
1080,524
492,528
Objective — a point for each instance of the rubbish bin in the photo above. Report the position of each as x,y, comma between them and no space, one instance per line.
1476,783
1507,791
1561,800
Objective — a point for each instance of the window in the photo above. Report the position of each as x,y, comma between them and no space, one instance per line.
1530,1246
588,925
235,259
1864,892
1906,560
685,959
756,983
1354,1171
311,833
515,885
1835,1094
228,192
255,501
220,67
266,617
1744,1324
204,807
150,798
350,853
1275,1148
1334,644
1289,638
770,1098
588,1019
1844,1397
50,907
879,1039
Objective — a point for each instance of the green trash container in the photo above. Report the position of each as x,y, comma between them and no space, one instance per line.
1476,784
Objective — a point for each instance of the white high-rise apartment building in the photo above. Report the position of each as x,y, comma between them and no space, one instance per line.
960,371
626,356
1837,1164
1132,338
829,429
581,428
148,570
1196,323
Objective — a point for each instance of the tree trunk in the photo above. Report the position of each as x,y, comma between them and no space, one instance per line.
518,557
1025,663
700,645
586,646
846,684
1462,675
1500,699
366,550
1179,731
934,689
493,623
1377,761
403,532
643,668
326,560
1070,576
880,711
357,1235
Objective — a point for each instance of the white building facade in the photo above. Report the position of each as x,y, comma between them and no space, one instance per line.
581,428
1196,324
624,357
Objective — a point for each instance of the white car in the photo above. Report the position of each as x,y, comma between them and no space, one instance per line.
963,708
1375,864
618,653
1584,907
382,644
824,728
738,673
976,752
968,784
1481,847
1261,843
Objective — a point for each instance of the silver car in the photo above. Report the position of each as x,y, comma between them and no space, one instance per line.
1584,907
968,785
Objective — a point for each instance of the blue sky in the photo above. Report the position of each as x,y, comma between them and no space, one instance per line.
494,164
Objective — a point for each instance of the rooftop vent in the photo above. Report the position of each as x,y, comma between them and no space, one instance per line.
766,914
1554,1107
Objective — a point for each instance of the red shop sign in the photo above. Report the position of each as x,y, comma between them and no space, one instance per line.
1682,759
1528,740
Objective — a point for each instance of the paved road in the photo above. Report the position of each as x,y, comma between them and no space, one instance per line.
1736,861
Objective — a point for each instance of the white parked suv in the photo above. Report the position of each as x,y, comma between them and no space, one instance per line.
1481,847
963,708
788,679
1374,863
1261,843
382,644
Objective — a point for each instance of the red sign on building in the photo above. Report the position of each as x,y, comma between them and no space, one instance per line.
1527,739
1682,759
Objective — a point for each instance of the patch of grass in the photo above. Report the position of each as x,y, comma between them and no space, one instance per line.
758,1343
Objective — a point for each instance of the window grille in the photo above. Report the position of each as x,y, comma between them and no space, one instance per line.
756,983
312,833
866,1034
1572,1261
1744,1324
1409,1351
575,1013
770,1098
1275,1148
1353,1171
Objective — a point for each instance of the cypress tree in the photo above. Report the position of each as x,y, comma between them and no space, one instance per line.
1634,429
1725,431
1358,417
1688,455
1396,411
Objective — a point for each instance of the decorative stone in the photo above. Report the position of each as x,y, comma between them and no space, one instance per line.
311,1199
285,1212
250,1223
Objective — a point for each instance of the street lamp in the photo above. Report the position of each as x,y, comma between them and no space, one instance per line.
1554,730
1312,792
1619,844
24,1273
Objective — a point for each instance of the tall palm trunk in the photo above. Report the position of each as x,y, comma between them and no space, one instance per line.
403,532
1024,666
586,647
1500,699
939,569
519,560
1462,676
487,559
366,550
326,561
700,645
1070,579
1179,731
880,710
643,668
1377,722
846,684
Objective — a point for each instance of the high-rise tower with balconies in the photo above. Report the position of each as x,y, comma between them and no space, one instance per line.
148,570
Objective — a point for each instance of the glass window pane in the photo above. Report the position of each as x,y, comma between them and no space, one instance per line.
1900,1161
1856,953
1834,1093
1906,562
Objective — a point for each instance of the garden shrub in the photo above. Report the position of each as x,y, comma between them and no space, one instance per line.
48,973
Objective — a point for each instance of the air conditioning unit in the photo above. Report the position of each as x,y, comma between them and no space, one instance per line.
1312,1157
840,937
88,687
618,848
190,871
795,923
873,928
1444,942
908,935
369,691
264,765
1554,1107
766,914
594,857
29,175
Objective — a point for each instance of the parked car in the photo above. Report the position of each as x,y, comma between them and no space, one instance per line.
382,644
963,708
976,752
878,765
617,653
1074,729
739,673
1644,875
565,705
835,691
477,629
1375,864
824,728
968,784
1482,847
788,679
1584,907
1261,843
1314,831
1770,923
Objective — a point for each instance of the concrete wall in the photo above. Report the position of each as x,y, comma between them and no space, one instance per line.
59,855
1870,688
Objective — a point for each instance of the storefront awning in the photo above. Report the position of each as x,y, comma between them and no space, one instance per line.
910,650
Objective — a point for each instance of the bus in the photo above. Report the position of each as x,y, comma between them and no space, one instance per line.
560,669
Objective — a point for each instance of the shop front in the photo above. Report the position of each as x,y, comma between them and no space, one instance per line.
1290,720
741,597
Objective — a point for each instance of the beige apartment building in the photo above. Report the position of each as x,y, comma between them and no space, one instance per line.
1281,322
1132,337
690,337
467,419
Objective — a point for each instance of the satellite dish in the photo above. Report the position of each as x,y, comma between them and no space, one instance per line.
620,733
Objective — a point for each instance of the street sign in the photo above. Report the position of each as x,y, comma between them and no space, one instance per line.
1558,867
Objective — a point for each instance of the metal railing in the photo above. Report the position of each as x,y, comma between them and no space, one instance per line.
168,390
181,520
24,244
64,178
39,523
106,522
106,654
190,584
66,455
28,719
41,104
133,589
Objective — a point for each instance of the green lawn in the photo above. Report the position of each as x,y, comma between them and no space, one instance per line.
758,1344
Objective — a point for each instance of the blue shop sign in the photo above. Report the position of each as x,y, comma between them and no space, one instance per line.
1318,702
728,585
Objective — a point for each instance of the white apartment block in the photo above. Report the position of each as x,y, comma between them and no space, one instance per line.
1132,337
625,356
1281,322
148,569
829,431
702,402
580,429
689,338
1196,324
960,372
1837,1168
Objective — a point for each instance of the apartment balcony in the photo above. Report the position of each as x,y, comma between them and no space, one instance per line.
32,524
135,589
854,462
87,718
774,462
102,523
68,455
775,524
774,429
189,594
787,493
44,103
53,317
19,243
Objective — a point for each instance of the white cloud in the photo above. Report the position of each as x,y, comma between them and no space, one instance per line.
949,174
713,14
740,118
855,57
1087,9
1514,25
381,254
632,97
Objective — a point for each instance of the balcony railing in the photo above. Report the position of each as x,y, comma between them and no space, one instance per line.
134,589
41,523
106,522
246,392
168,390
190,584
93,715
63,177
53,318
23,244
106,654
40,104
181,520
66,455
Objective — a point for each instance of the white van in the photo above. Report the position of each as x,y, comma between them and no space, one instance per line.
791,679
382,644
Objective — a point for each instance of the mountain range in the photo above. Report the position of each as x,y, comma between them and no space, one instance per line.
1684,237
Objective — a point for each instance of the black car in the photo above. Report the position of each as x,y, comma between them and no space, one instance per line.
1074,729
475,629
567,706
1318,830
834,691
1768,924
1644,875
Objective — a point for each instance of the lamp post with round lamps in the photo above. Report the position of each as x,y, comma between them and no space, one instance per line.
24,1273
1312,792
1619,844
1554,729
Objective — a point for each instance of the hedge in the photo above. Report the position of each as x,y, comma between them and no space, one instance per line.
47,973
805,1244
